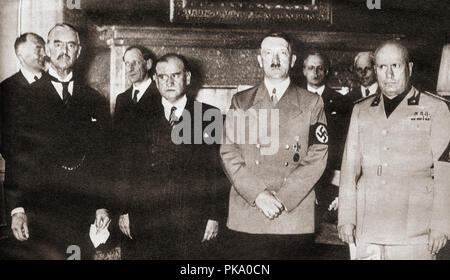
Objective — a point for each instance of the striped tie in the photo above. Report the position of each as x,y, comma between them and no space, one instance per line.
172,118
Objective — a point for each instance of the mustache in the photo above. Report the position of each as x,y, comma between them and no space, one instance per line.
63,55
275,65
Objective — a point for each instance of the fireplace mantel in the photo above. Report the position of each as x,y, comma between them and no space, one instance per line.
233,38
225,59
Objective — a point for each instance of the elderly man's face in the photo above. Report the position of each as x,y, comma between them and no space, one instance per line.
63,48
172,79
364,71
32,54
276,58
393,72
135,66
314,70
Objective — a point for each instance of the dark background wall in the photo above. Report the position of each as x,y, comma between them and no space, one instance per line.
425,23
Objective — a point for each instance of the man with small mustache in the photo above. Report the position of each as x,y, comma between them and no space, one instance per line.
271,212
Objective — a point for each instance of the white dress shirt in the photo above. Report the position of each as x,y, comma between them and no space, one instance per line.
319,90
372,89
179,104
30,76
142,88
280,88
59,86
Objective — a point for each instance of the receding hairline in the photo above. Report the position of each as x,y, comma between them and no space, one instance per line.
318,54
24,38
399,45
369,55
63,26
172,56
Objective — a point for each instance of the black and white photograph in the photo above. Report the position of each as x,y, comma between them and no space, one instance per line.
228,133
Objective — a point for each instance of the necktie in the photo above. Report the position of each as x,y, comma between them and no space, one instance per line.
65,92
135,94
36,78
274,96
367,92
172,118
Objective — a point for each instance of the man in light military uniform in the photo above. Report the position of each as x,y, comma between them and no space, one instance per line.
271,208
395,184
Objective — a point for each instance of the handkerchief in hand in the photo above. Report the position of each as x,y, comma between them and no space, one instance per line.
99,237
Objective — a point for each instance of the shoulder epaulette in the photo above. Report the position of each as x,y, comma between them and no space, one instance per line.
435,95
364,98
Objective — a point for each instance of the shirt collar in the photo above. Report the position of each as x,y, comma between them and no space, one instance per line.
180,104
316,90
30,76
143,86
52,72
372,88
280,88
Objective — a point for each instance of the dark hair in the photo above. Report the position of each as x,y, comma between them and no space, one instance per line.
324,58
281,35
396,43
167,56
24,38
146,53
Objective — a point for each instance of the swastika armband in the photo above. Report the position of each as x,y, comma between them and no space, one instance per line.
318,134
445,155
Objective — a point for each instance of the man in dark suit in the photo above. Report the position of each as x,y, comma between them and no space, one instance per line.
131,114
29,49
365,74
63,127
172,211
338,109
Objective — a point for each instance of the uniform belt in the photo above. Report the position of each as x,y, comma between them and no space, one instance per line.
389,171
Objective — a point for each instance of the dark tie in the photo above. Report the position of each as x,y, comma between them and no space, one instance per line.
274,96
172,118
135,94
65,92
36,78
367,92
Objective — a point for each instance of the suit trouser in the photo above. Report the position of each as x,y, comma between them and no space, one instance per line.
246,246
365,251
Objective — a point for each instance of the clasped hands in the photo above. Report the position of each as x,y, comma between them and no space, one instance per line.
269,205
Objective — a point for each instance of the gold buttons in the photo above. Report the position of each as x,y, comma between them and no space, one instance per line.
286,147
286,163
257,162
258,146
384,132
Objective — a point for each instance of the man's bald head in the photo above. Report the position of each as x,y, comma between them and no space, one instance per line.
393,68
396,45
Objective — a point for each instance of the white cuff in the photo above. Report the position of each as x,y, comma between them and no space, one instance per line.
17,210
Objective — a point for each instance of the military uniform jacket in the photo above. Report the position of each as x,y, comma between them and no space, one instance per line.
290,172
387,185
